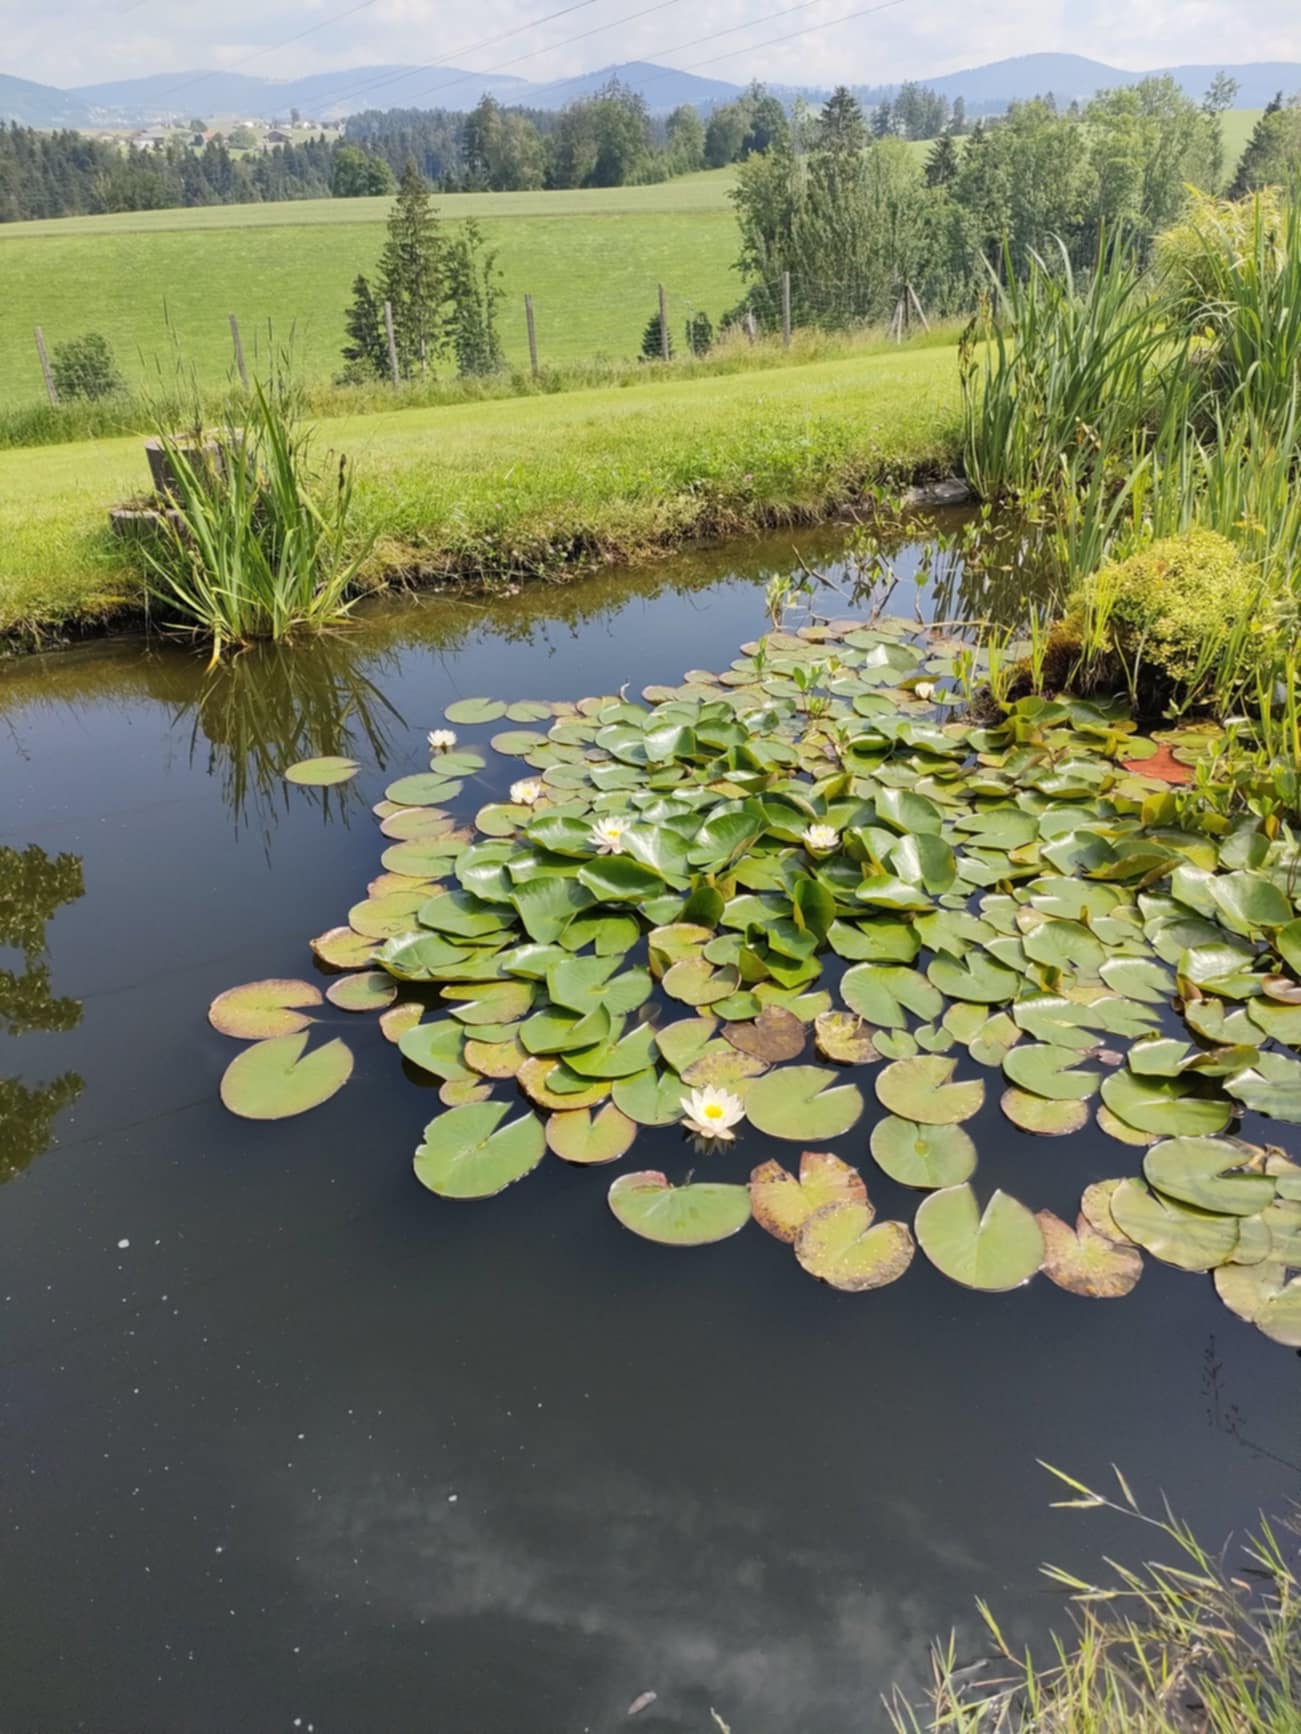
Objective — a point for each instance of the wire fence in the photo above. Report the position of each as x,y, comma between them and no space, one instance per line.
544,335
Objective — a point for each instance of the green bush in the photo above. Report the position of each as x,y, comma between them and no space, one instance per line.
1175,614
85,367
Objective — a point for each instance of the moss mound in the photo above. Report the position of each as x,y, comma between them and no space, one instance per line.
1171,614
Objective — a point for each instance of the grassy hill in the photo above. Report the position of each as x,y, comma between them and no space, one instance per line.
160,284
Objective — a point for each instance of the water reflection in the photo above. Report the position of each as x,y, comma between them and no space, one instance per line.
32,888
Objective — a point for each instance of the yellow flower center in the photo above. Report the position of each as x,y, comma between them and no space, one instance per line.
713,1111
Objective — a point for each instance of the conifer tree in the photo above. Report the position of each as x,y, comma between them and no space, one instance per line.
411,271
366,351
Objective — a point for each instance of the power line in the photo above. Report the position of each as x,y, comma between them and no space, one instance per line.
717,35
772,42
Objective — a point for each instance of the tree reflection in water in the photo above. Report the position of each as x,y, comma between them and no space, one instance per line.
32,887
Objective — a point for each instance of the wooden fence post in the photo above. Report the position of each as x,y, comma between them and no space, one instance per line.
786,309
921,313
51,391
392,345
664,325
533,335
239,350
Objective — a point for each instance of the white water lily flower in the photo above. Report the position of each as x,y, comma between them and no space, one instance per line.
441,739
712,1113
527,793
821,839
608,835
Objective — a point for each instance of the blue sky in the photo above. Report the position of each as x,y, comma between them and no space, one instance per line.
80,41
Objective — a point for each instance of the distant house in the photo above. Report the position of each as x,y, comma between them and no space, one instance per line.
277,136
147,141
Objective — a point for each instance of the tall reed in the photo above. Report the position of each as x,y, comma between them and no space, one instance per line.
253,544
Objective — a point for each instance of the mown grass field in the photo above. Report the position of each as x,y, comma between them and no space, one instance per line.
160,284
524,484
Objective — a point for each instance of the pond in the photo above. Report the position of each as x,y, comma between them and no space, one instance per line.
290,1443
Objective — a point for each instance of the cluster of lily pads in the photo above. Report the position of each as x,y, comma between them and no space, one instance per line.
813,851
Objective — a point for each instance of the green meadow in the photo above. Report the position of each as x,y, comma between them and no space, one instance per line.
160,284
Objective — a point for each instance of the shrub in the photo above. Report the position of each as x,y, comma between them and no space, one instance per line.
85,367
1183,610
652,344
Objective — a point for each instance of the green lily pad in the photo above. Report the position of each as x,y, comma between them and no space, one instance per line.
370,991
425,789
1042,1115
515,743
782,1204
979,979
1048,1071
322,773
494,1059
389,916
805,1103
1123,1134
1084,1262
1205,1172
1140,978
842,1246
579,1137
697,1214
919,1089
276,1079
722,1067
928,1157
475,710
994,1040
650,1098
1169,1106
262,1009
398,1019
1175,1233
696,983
490,1002
621,1059
994,1252
881,993
1271,1085
436,1047
468,1152
537,1075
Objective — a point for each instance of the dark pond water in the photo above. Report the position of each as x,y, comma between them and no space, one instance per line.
290,1444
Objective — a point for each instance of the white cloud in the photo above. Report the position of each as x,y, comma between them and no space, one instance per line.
84,41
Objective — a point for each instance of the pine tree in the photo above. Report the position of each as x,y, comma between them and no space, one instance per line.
841,126
366,351
652,348
473,292
1258,150
411,274
942,163
883,121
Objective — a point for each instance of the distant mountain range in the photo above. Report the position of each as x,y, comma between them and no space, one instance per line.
332,95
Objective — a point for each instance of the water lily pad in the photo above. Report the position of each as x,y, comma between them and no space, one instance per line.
425,789
782,1204
502,818
1262,1295
844,1038
802,1102
1206,1172
695,982
1123,1134
881,993
1175,1233
775,1035
842,1246
978,979
927,1157
536,1076
682,1042
621,1059
468,1152
515,743
276,1079
698,1214
490,1002
261,1009
370,991
459,1092
919,1089
494,1059
650,1098
475,710
399,1018
995,1251
1140,978
994,1040
436,1047
1039,1114
579,1137
1084,1262
1095,1208
1049,1071
342,948
1271,1085
1169,1106
722,1067
389,916
322,773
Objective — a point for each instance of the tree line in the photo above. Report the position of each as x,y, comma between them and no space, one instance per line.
862,222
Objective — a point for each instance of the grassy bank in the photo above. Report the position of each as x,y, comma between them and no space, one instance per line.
160,284
525,485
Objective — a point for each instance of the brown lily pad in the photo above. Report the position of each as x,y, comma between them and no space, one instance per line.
341,948
1084,1262
261,1009
775,1035
782,1204
844,1038
399,1018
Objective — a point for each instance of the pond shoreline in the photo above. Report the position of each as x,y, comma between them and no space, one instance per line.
930,485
